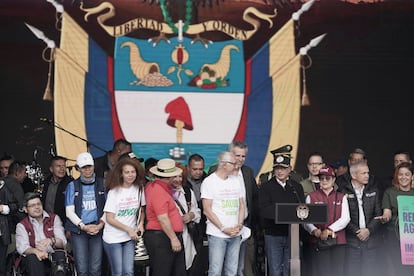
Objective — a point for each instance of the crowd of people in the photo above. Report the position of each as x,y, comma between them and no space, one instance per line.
196,220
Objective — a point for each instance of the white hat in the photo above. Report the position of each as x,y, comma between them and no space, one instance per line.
166,168
84,159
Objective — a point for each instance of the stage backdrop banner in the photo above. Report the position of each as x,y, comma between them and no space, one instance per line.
178,98
406,222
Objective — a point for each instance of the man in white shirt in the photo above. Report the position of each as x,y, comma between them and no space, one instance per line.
223,206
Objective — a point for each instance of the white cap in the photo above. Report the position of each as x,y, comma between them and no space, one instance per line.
84,159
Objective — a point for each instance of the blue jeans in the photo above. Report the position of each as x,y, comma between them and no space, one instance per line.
87,250
223,250
242,256
278,254
121,257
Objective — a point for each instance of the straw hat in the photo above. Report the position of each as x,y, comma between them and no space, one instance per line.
166,168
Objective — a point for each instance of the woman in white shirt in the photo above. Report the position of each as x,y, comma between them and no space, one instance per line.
125,183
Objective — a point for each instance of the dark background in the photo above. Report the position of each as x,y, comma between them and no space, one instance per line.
360,82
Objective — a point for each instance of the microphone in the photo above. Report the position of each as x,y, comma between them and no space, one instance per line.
295,192
35,155
51,151
46,120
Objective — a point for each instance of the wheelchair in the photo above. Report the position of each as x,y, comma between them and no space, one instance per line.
63,266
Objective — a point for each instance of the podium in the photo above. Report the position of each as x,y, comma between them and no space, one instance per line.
295,214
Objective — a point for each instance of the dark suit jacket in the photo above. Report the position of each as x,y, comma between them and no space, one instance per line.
101,165
17,192
271,192
59,207
252,192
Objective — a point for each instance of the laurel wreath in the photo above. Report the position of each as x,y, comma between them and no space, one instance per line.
167,17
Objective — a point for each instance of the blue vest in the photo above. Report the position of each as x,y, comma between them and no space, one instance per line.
100,198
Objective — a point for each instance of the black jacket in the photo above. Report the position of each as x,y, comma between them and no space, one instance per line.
101,165
6,198
59,207
202,226
16,189
372,208
270,193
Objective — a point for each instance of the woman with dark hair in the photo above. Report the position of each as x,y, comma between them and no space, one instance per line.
125,183
189,211
403,176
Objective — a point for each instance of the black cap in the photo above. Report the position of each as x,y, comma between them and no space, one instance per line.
341,162
150,162
282,156
130,155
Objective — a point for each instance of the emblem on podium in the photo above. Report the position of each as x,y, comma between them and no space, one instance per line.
302,211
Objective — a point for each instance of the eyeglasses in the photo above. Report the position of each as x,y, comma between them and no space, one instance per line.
34,205
325,177
233,163
315,164
355,160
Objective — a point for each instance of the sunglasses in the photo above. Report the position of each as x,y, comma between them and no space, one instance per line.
325,177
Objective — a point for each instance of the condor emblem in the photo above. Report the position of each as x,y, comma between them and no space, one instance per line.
302,211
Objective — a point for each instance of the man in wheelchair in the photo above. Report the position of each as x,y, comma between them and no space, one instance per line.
40,239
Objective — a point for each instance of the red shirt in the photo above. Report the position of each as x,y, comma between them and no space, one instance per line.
159,199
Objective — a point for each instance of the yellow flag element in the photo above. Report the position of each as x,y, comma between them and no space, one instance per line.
281,47
284,69
71,65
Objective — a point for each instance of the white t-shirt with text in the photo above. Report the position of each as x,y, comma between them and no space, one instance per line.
123,202
225,196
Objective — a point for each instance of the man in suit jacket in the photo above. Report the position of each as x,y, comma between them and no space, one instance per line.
248,182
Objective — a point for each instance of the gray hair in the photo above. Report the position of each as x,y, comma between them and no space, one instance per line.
224,156
355,167
237,144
